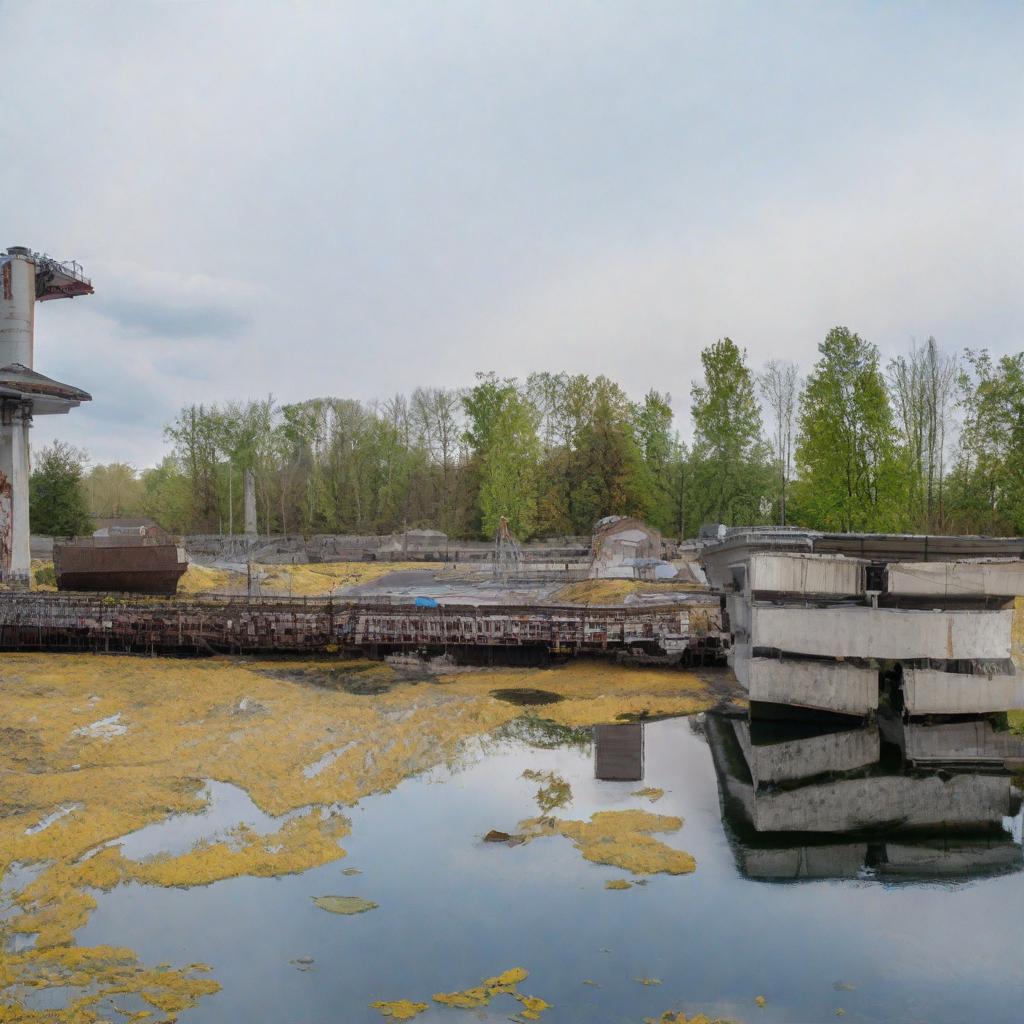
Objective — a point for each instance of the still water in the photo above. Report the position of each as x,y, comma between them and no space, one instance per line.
808,889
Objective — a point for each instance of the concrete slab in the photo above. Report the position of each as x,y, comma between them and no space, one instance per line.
805,574
821,685
930,692
892,633
957,579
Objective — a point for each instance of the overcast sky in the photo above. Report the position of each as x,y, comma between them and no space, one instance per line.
315,199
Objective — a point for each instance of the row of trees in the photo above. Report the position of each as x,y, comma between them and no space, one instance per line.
929,442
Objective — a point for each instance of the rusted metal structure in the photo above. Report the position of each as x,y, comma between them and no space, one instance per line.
114,622
26,278
142,562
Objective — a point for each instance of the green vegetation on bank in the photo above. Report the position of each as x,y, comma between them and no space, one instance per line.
930,442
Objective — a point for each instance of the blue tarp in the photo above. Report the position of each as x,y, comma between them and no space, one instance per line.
425,602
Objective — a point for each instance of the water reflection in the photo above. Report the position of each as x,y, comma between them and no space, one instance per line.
619,752
892,800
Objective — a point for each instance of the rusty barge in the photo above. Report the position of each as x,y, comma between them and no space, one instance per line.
120,623
140,561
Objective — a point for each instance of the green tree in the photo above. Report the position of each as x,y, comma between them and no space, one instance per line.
608,473
850,468
502,433
167,496
114,490
986,488
922,386
663,456
730,477
58,502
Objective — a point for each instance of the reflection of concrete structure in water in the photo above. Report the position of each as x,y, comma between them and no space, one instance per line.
805,803
814,617
619,752
25,279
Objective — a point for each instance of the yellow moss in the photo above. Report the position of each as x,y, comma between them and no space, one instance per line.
652,793
70,786
554,792
301,580
620,838
597,692
618,883
480,995
399,1009
616,591
533,1006
201,579
678,1017
104,972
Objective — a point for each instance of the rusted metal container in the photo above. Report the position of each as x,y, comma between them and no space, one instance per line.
142,562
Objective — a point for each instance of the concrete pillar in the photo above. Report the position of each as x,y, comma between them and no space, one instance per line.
15,558
250,502
17,309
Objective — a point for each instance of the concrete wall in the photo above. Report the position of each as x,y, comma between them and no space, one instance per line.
805,574
957,579
890,633
821,685
930,692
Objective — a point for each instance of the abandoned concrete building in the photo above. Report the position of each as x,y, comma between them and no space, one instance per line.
826,621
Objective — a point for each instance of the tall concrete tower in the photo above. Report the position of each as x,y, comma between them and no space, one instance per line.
27,278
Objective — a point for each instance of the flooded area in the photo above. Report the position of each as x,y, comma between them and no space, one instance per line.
230,839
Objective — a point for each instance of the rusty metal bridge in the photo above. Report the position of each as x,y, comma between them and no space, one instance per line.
208,624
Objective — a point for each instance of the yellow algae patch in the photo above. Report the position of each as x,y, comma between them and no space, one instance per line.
57,903
760,1000
648,981
321,578
533,1006
616,591
202,579
598,692
554,792
69,790
299,580
620,838
399,1009
92,977
618,883
480,995
652,793
66,792
678,1017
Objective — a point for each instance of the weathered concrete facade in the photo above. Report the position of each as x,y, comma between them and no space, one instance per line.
814,617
